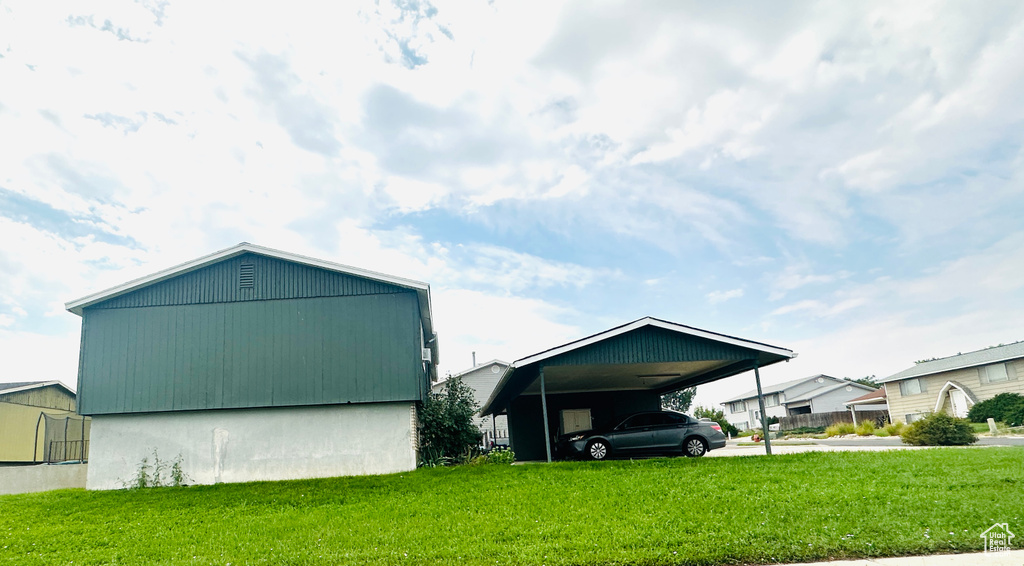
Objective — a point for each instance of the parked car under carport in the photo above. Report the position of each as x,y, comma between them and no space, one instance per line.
652,432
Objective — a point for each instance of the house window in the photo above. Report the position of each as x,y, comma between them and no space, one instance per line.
738,407
994,373
772,400
911,387
915,417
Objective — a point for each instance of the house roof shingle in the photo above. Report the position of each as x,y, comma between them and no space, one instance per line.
961,361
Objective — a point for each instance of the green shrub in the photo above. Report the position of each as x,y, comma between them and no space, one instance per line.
866,428
939,429
502,456
840,429
895,429
718,416
1006,408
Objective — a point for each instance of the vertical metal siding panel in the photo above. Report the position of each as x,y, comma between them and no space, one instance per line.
217,353
333,383
135,342
228,365
113,354
316,349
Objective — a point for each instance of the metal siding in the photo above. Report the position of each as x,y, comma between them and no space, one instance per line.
274,279
321,350
648,345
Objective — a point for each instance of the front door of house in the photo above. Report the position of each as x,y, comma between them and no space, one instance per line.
958,401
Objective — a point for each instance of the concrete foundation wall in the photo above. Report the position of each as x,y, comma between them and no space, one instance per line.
256,444
29,479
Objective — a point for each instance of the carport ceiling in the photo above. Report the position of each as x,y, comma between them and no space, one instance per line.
621,377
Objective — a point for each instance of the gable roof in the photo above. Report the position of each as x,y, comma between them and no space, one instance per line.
769,389
422,289
961,361
876,396
18,386
827,389
680,367
656,322
495,361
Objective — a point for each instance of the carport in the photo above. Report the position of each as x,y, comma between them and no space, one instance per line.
595,381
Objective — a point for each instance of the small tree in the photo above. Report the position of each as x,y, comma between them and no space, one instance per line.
718,416
678,400
447,431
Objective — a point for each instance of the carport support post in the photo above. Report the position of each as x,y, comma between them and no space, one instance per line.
544,410
764,417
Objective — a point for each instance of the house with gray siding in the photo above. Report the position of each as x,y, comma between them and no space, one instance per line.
255,364
814,394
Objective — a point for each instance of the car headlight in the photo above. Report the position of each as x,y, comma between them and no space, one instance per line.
577,437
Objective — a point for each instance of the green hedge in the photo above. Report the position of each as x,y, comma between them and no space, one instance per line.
1005,408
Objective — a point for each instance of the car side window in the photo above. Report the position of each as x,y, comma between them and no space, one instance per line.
666,419
637,421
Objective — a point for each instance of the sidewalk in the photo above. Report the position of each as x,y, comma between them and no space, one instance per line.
1011,558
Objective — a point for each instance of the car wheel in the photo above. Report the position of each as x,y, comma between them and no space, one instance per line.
694,447
598,450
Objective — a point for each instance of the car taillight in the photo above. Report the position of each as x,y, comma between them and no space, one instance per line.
717,427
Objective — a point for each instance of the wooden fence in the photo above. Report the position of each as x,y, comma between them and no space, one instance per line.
818,420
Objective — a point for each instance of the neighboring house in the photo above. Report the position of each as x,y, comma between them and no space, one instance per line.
255,364
815,394
954,384
482,379
29,413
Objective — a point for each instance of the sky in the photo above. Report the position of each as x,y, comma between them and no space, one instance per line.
840,179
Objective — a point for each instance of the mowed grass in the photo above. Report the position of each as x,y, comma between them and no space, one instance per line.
741,510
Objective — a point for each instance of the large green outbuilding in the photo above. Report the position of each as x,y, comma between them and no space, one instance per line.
255,364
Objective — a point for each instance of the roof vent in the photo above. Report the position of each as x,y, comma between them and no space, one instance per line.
246,276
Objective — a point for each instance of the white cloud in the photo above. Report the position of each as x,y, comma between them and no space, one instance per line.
716,297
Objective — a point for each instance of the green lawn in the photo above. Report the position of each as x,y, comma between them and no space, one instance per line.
798,507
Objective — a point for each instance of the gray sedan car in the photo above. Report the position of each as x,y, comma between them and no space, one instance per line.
655,432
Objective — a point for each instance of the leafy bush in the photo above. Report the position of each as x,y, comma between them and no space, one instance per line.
865,428
447,432
502,456
718,416
895,429
1005,408
840,429
939,429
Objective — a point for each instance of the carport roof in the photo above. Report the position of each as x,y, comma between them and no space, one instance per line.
646,354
